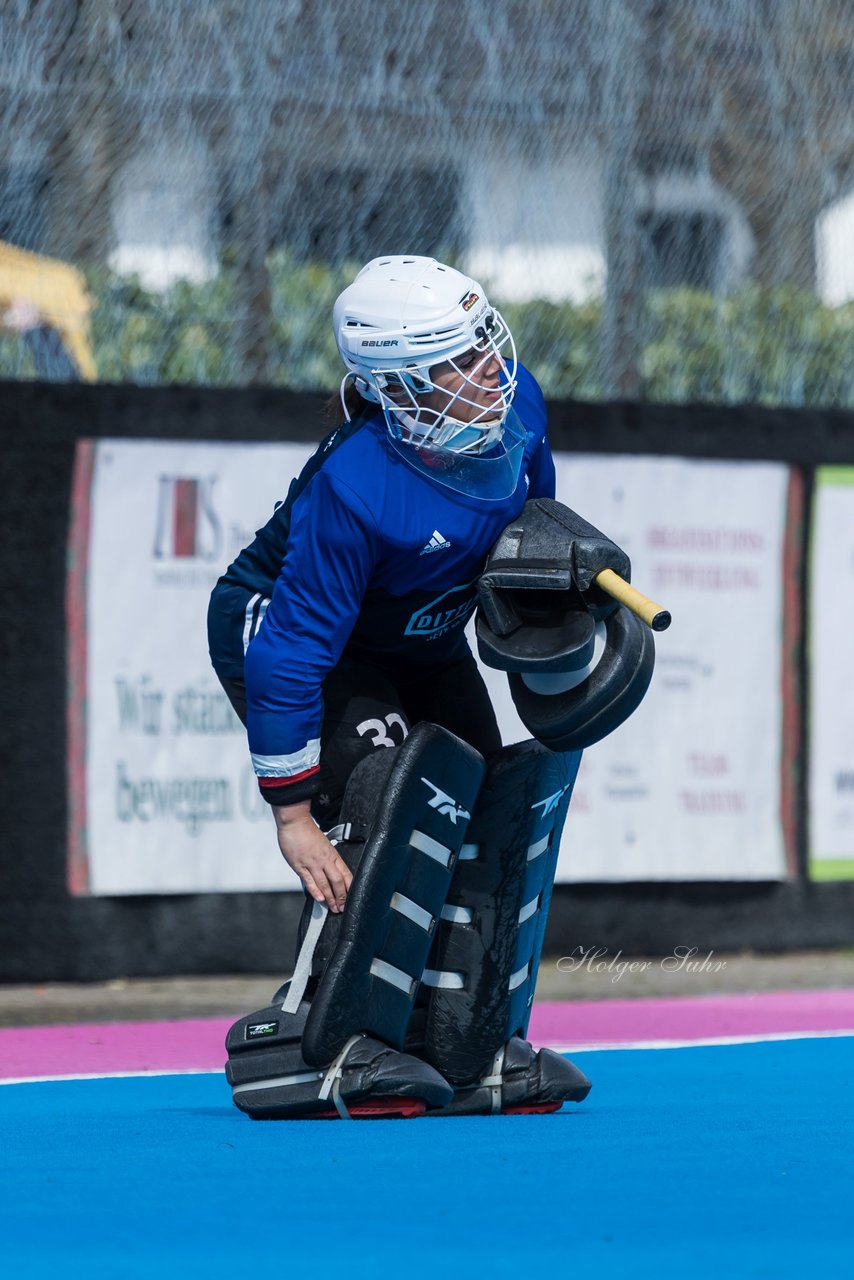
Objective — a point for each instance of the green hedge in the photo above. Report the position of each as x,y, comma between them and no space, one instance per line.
767,346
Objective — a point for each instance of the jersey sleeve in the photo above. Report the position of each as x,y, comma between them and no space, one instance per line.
541,469
541,472
331,550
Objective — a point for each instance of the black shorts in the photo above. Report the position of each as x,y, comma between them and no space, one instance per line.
366,708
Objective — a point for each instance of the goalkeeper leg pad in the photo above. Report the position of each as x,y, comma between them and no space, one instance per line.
417,826
327,1037
483,969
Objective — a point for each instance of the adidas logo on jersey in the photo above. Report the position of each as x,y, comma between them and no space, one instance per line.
436,543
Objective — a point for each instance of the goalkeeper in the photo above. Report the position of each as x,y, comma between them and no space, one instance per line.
343,623
339,636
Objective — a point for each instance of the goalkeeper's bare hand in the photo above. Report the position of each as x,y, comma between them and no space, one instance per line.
304,847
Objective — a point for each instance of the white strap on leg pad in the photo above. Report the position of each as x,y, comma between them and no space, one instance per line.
332,1079
495,1081
302,972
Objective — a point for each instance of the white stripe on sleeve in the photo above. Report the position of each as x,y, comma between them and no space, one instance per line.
287,766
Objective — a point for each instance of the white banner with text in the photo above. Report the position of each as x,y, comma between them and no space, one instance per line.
688,788
171,799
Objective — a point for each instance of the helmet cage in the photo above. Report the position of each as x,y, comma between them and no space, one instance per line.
401,385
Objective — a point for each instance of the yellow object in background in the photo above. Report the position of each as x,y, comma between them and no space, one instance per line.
57,293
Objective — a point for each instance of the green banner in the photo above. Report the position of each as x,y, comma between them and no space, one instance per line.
831,677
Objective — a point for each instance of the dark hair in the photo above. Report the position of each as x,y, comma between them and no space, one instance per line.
356,405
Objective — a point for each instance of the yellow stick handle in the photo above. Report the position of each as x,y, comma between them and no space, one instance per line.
647,610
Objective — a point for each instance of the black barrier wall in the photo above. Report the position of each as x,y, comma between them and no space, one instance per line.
45,934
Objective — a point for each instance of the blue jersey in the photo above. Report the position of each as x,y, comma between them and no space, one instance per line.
366,557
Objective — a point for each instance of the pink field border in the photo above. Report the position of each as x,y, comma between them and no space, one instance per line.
136,1048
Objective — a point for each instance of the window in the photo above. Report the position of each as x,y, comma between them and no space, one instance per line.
338,215
683,249
23,200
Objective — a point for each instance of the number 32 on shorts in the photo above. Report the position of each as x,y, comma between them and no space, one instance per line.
380,730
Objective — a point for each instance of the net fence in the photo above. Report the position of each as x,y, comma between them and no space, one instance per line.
659,193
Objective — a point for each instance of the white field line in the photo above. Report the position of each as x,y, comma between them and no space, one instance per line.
111,1075
576,1047
706,1042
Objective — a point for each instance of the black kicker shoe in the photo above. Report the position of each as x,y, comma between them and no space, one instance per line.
270,1080
521,1082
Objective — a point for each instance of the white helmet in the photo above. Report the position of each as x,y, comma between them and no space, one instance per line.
403,317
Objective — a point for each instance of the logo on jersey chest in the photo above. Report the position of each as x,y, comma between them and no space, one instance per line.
452,609
437,542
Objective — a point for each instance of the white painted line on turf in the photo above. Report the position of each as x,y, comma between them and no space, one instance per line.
113,1075
591,1046
594,1046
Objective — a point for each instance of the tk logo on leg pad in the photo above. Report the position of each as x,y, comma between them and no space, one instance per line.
258,1029
551,802
445,804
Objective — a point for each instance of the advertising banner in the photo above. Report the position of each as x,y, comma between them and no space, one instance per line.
689,788
831,701
171,802
163,798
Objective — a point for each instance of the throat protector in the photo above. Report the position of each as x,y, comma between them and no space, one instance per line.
490,476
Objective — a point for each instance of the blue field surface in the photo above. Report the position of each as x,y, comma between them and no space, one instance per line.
725,1161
